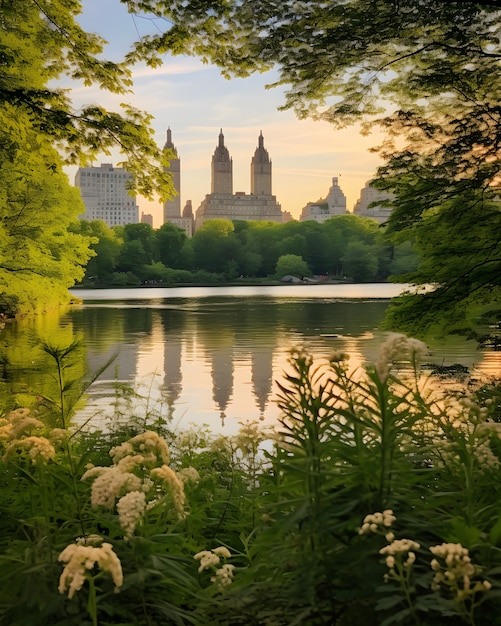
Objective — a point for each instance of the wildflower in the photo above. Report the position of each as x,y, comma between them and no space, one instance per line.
399,546
223,576
167,475
207,559
149,444
131,508
58,435
397,346
81,559
222,551
378,523
110,483
130,463
188,475
38,448
18,423
118,452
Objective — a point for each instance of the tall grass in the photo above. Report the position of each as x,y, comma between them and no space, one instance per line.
371,503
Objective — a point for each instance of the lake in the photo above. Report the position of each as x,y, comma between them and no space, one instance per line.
212,355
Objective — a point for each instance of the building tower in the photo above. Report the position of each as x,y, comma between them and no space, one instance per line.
324,209
261,170
106,196
172,207
222,169
373,203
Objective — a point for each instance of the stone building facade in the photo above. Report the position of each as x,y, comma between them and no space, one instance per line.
369,195
333,204
222,203
106,196
172,207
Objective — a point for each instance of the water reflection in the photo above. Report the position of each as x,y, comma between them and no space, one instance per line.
215,359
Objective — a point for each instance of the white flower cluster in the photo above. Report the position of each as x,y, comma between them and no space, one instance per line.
131,508
110,484
378,523
153,449
223,576
398,347
38,448
454,569
16,430
80,560
211,559
135,483
188,475
472,435
168,476
400,553
17,423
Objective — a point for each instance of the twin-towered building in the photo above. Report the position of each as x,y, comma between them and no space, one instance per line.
105,194
221,202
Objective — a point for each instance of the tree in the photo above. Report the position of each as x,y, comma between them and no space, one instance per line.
216,248
426,71
169,241
360,261
41,43
343,230
293,265
40,255
42,252
106,246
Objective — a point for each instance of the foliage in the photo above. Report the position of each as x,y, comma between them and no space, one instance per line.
245,250
426,72
40,257
169,241
43,46
291,265
359,261
106,246
355,51
364,480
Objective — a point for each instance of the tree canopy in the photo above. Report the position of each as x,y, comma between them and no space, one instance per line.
345,246
42,250
41,43
426,71
40,255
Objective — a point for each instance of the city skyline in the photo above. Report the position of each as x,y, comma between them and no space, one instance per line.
195,101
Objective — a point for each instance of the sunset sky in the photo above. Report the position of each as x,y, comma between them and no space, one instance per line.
195,101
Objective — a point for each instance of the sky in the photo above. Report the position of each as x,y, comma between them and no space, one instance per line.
195,101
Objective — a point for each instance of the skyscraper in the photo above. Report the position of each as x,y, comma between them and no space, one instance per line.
371,203
222,203
221,168
261,170
106,196
172,207
333,204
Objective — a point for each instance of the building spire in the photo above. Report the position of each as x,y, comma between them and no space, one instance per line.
221,168
261,170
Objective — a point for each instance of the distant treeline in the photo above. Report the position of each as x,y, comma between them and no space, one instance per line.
347,246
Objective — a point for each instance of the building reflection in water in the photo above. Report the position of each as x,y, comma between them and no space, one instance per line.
262,377
217,363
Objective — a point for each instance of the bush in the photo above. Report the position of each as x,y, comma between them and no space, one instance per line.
369,503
